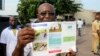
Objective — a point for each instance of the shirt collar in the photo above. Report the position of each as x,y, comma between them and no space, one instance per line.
11,27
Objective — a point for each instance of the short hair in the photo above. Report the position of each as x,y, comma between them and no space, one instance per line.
15,17
46,4
98,13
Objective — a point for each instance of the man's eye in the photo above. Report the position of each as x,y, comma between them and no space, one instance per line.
51,13
42,14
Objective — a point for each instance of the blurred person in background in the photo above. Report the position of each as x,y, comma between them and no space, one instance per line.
79,23
96,33
8,36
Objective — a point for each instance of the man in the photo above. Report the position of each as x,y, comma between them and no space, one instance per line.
9,36
96,33
46,13
79,26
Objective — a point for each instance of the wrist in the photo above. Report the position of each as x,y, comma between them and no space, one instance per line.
19,50
19,47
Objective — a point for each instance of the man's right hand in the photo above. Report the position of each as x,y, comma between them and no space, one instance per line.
25,35
98,32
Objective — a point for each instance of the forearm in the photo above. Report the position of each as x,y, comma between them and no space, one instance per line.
98,32
19,51
3,49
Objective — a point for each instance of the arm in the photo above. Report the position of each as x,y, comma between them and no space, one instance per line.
3,42
95,28
19,51
25,35
2,49
98,32
98,29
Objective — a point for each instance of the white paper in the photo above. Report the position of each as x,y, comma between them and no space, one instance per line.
53,38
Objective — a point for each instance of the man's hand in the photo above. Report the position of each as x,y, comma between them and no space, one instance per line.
25,35
98,32
71,53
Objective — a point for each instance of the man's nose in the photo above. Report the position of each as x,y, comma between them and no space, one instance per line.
47,15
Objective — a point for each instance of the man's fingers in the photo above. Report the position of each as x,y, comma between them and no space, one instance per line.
71,53
27,41
26,31
27,37
27,28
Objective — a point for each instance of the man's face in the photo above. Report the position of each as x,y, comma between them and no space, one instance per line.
46,14
12,21
98,17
